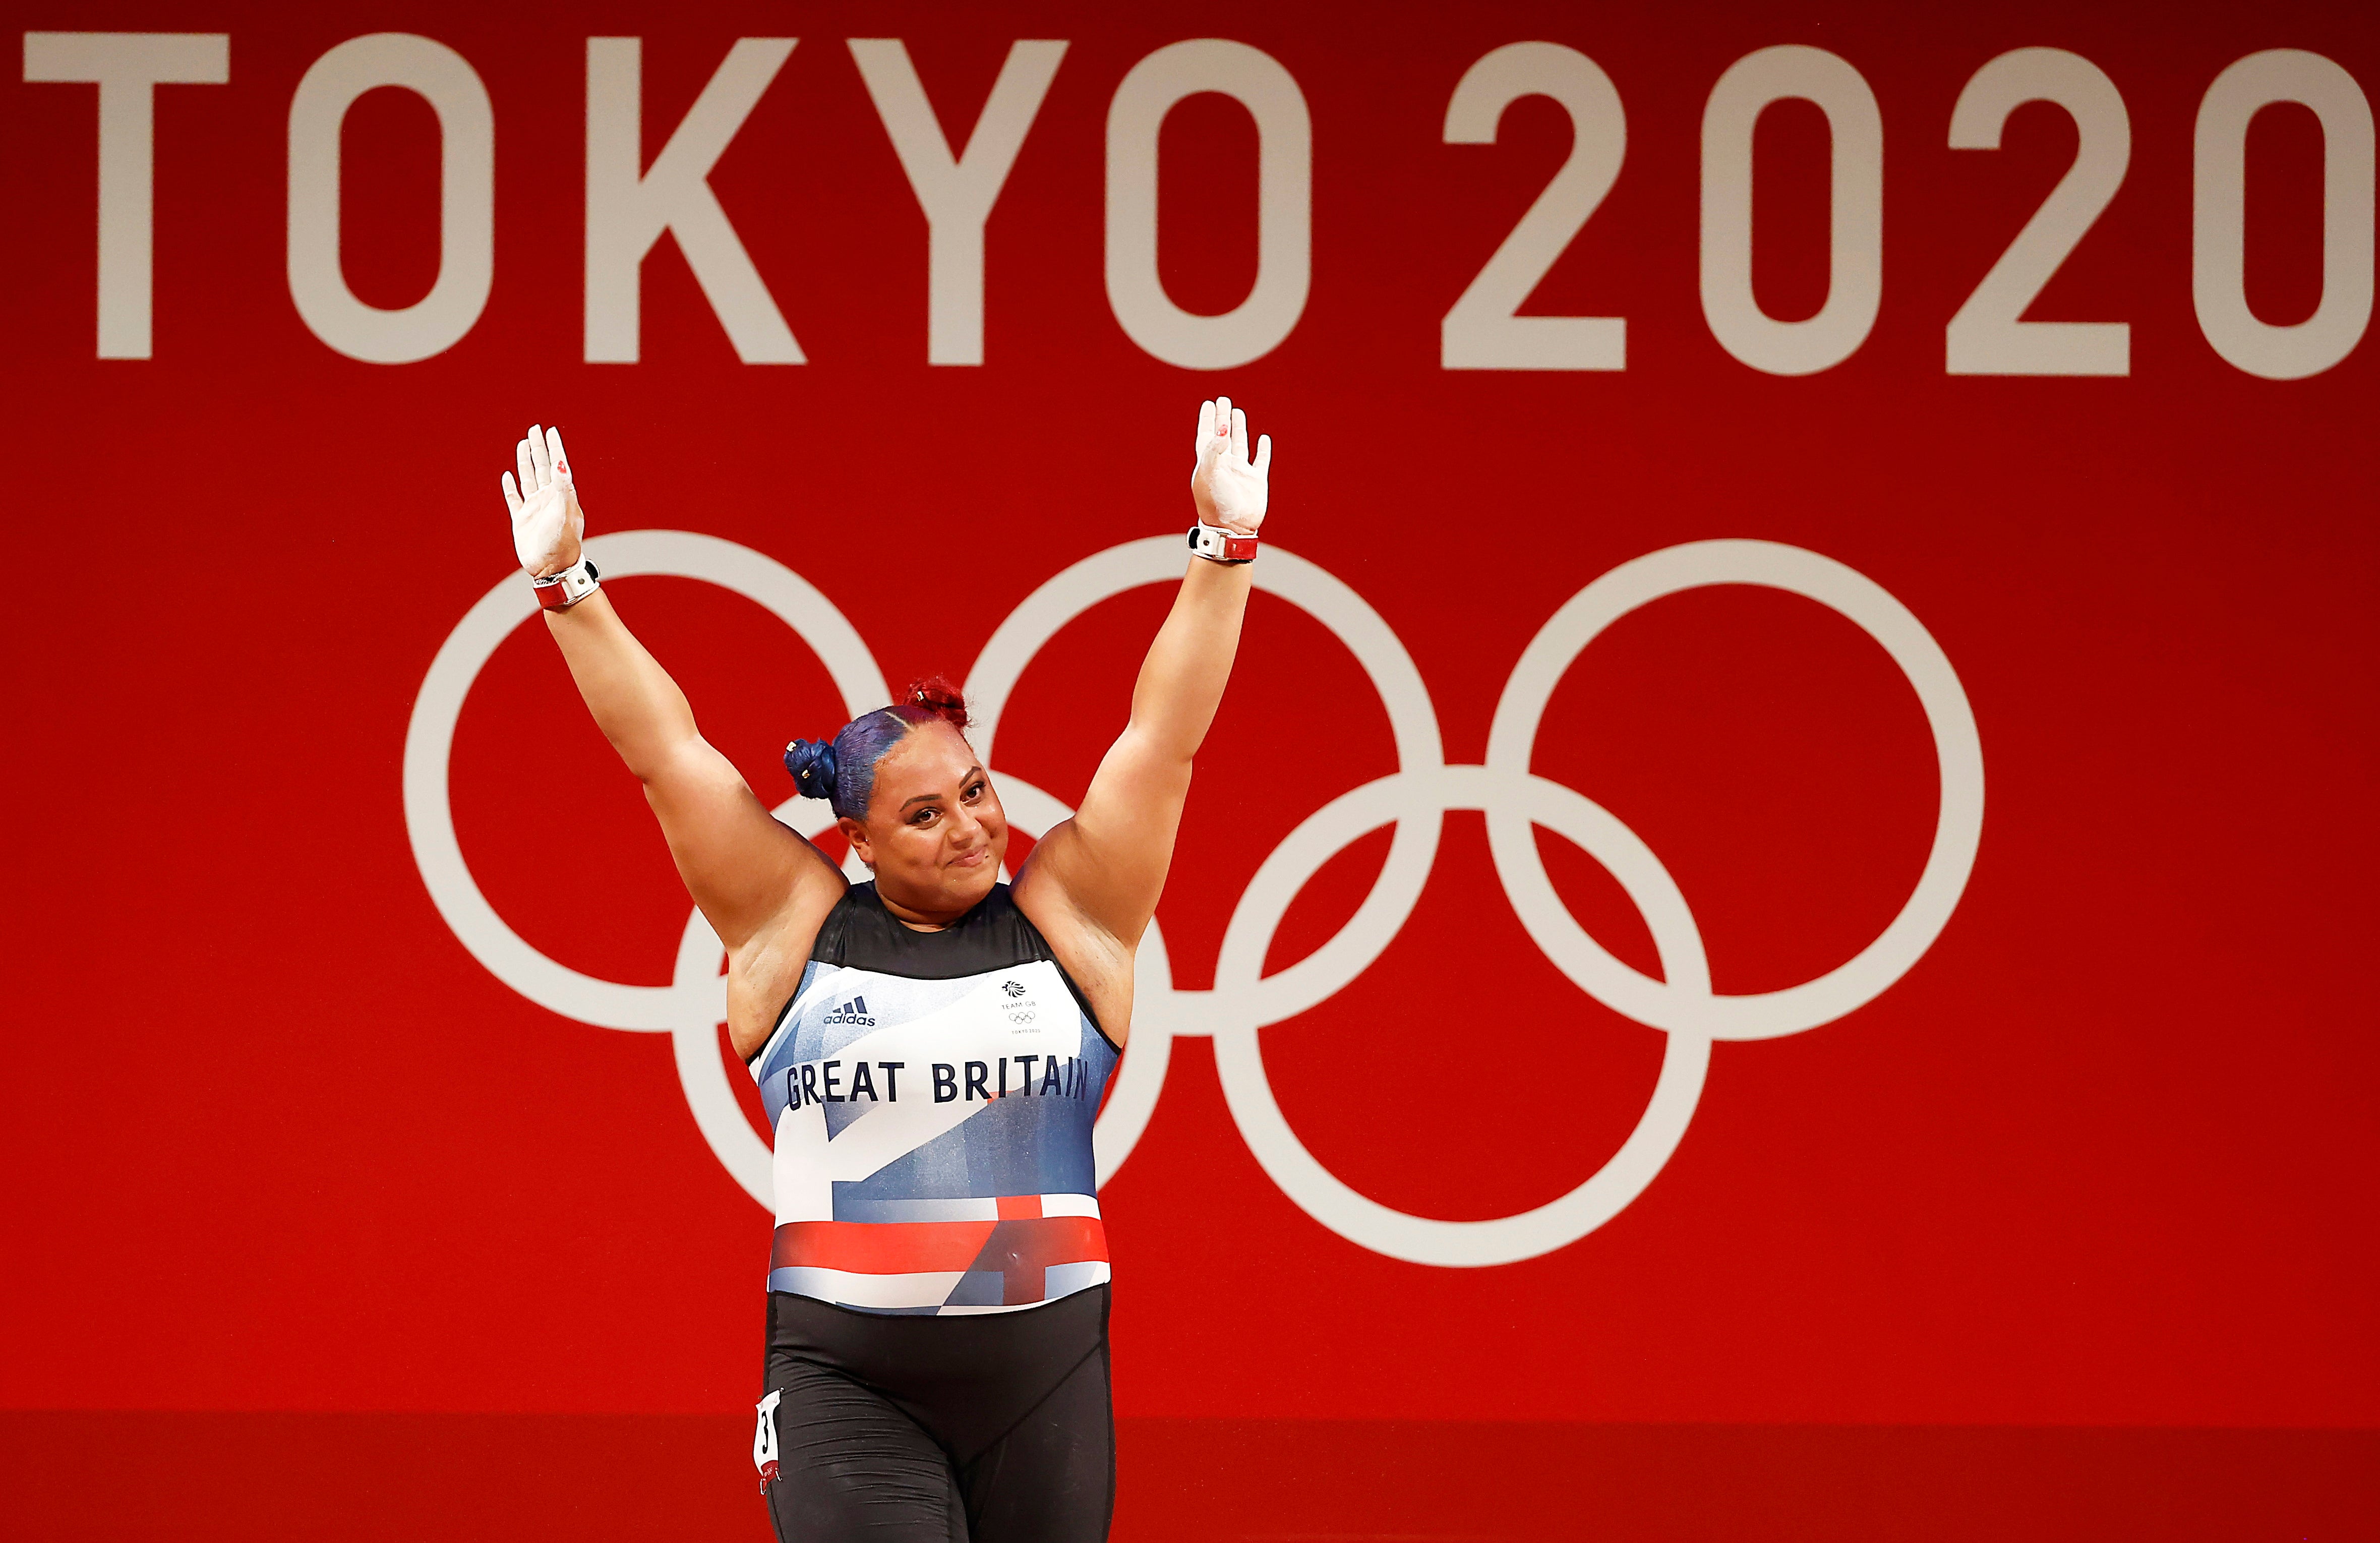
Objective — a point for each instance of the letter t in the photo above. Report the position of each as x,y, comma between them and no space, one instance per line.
127,66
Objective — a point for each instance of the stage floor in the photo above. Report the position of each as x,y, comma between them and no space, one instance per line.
364,1477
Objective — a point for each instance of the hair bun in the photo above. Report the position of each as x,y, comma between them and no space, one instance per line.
939,696
811,763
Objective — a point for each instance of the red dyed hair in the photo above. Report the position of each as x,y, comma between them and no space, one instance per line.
933,697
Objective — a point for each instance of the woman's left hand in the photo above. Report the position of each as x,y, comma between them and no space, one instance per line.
1229,489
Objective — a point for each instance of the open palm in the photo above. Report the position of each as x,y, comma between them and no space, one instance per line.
1229,488
547,522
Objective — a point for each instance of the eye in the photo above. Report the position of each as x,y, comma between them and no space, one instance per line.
974,792
925,816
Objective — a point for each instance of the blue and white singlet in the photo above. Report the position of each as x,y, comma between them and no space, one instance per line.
932,1095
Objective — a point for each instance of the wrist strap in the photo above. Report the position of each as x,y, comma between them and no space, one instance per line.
561,591
1219,545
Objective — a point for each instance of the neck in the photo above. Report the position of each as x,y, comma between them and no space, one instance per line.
915,919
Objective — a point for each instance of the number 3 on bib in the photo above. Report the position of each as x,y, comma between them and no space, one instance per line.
764,1438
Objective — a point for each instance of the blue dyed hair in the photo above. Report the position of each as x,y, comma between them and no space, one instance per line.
842,770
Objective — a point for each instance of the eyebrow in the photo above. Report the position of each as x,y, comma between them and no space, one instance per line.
973,772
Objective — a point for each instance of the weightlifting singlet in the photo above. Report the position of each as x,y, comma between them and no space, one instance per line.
938,1364
932,1095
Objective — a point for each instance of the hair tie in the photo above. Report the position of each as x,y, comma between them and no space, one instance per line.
811,764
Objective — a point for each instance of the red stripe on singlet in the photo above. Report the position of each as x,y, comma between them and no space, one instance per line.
914,1248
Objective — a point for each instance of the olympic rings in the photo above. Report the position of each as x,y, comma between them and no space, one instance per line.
1243,1000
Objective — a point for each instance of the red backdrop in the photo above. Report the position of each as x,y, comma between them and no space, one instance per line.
2103,1161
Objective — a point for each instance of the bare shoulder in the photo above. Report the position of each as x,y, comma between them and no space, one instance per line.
1095,958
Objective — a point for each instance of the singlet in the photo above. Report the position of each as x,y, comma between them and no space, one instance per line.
932,1095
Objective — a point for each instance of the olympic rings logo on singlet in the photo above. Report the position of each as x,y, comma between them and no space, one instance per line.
1243,1000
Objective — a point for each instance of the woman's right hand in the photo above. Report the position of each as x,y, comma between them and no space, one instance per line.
547,522
1229,489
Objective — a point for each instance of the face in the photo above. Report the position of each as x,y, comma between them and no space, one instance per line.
935,834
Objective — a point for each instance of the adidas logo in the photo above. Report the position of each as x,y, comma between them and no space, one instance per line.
852,1012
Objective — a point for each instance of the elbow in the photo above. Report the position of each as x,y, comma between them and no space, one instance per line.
1160,745
665,767
648,761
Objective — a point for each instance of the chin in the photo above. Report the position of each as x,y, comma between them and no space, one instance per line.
971,885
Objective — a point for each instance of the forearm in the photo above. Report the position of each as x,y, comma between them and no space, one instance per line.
1182,680
636,704
1108,863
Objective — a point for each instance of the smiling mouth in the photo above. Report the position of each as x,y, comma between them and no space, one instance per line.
975,859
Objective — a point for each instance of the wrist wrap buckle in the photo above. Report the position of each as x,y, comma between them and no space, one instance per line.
561,591
1218,544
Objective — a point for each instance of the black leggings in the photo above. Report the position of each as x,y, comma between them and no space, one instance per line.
991,1427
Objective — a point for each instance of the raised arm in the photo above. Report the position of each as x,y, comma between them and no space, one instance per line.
1109,862
745,871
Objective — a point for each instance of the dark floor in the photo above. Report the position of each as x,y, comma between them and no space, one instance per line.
366,1478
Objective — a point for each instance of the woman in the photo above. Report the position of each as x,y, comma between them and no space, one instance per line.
931,1045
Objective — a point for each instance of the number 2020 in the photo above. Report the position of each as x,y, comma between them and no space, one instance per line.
1987,335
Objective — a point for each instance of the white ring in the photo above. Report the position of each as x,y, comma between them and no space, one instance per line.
429,742
1957,831
1323,1194
1413,724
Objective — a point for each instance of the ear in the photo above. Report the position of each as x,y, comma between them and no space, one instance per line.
856,833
